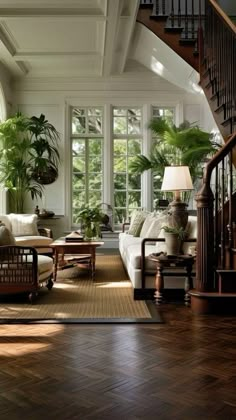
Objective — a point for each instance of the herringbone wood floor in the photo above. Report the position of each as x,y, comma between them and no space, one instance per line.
183,369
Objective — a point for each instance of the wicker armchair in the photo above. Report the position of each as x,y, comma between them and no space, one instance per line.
23,270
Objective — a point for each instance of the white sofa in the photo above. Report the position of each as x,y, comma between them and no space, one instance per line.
134,252
26,233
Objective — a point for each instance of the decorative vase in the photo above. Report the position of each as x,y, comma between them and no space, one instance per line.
88,232
173,243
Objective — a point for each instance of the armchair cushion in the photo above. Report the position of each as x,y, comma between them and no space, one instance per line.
24,224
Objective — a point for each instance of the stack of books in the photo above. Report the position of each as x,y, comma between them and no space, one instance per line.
74,237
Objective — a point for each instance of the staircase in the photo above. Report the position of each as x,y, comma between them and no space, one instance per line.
204,36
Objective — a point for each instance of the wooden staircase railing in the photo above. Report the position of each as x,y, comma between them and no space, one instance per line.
216,201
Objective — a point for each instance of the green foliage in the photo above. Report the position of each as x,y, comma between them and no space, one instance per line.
184,145
25,146
88,215
179,231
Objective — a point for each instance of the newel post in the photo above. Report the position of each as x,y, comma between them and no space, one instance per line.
205,240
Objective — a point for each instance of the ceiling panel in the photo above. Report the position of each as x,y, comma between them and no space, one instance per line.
56,34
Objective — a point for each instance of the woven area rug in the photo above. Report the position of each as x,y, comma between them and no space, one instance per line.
75,298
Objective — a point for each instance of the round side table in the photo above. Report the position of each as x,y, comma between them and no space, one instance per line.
165,262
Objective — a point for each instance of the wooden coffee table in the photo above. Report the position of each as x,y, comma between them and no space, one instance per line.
61,247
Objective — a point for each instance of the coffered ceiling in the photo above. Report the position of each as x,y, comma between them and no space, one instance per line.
66,38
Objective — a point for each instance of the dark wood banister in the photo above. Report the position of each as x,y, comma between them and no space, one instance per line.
218,157
206,262
223,15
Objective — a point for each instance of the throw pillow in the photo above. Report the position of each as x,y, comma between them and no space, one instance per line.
156,226
136,226
24,224
161,246
146,225
6,237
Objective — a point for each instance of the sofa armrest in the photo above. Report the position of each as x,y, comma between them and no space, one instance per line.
143,255
45,232
124,225
18,268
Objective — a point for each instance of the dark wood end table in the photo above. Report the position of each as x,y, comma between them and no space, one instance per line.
165,262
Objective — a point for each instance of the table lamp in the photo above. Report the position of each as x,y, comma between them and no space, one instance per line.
177,179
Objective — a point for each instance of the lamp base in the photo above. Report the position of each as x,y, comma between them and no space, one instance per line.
178,215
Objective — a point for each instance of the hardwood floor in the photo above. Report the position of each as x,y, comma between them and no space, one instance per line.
183,369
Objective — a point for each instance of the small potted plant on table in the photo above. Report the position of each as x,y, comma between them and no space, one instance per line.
174,237
90,219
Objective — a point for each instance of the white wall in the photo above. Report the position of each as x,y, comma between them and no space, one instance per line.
144,90
5,110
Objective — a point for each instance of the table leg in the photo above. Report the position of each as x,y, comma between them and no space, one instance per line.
55,264
188,285
93,257
159,286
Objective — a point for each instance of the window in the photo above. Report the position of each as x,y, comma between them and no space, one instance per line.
87,157
127,142
169,115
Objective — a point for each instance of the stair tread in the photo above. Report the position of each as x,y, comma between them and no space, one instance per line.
194,292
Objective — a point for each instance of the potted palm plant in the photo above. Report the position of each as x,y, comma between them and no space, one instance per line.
44,150
21,157
186,145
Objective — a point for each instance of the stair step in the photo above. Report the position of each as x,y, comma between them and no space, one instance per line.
187,41
230,120
227,281
174,29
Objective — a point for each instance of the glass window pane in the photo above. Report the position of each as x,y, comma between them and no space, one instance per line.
134,147
134,182
95,164
78,125
78,165
78,198
120,181
134,199
95,125
78,147
95,198
134,111
134,125
78,181
119,111
95,147
95,111
120,199
120,125
95,181
119,216
120,164
120,147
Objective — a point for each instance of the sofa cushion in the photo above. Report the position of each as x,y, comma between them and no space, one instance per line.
34,241
156,225
161,246
134,256
136,225
24,224
146,225
6,237
4,218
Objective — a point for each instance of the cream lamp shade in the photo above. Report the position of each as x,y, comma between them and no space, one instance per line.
177,178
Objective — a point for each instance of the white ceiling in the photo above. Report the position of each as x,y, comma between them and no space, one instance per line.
66,38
